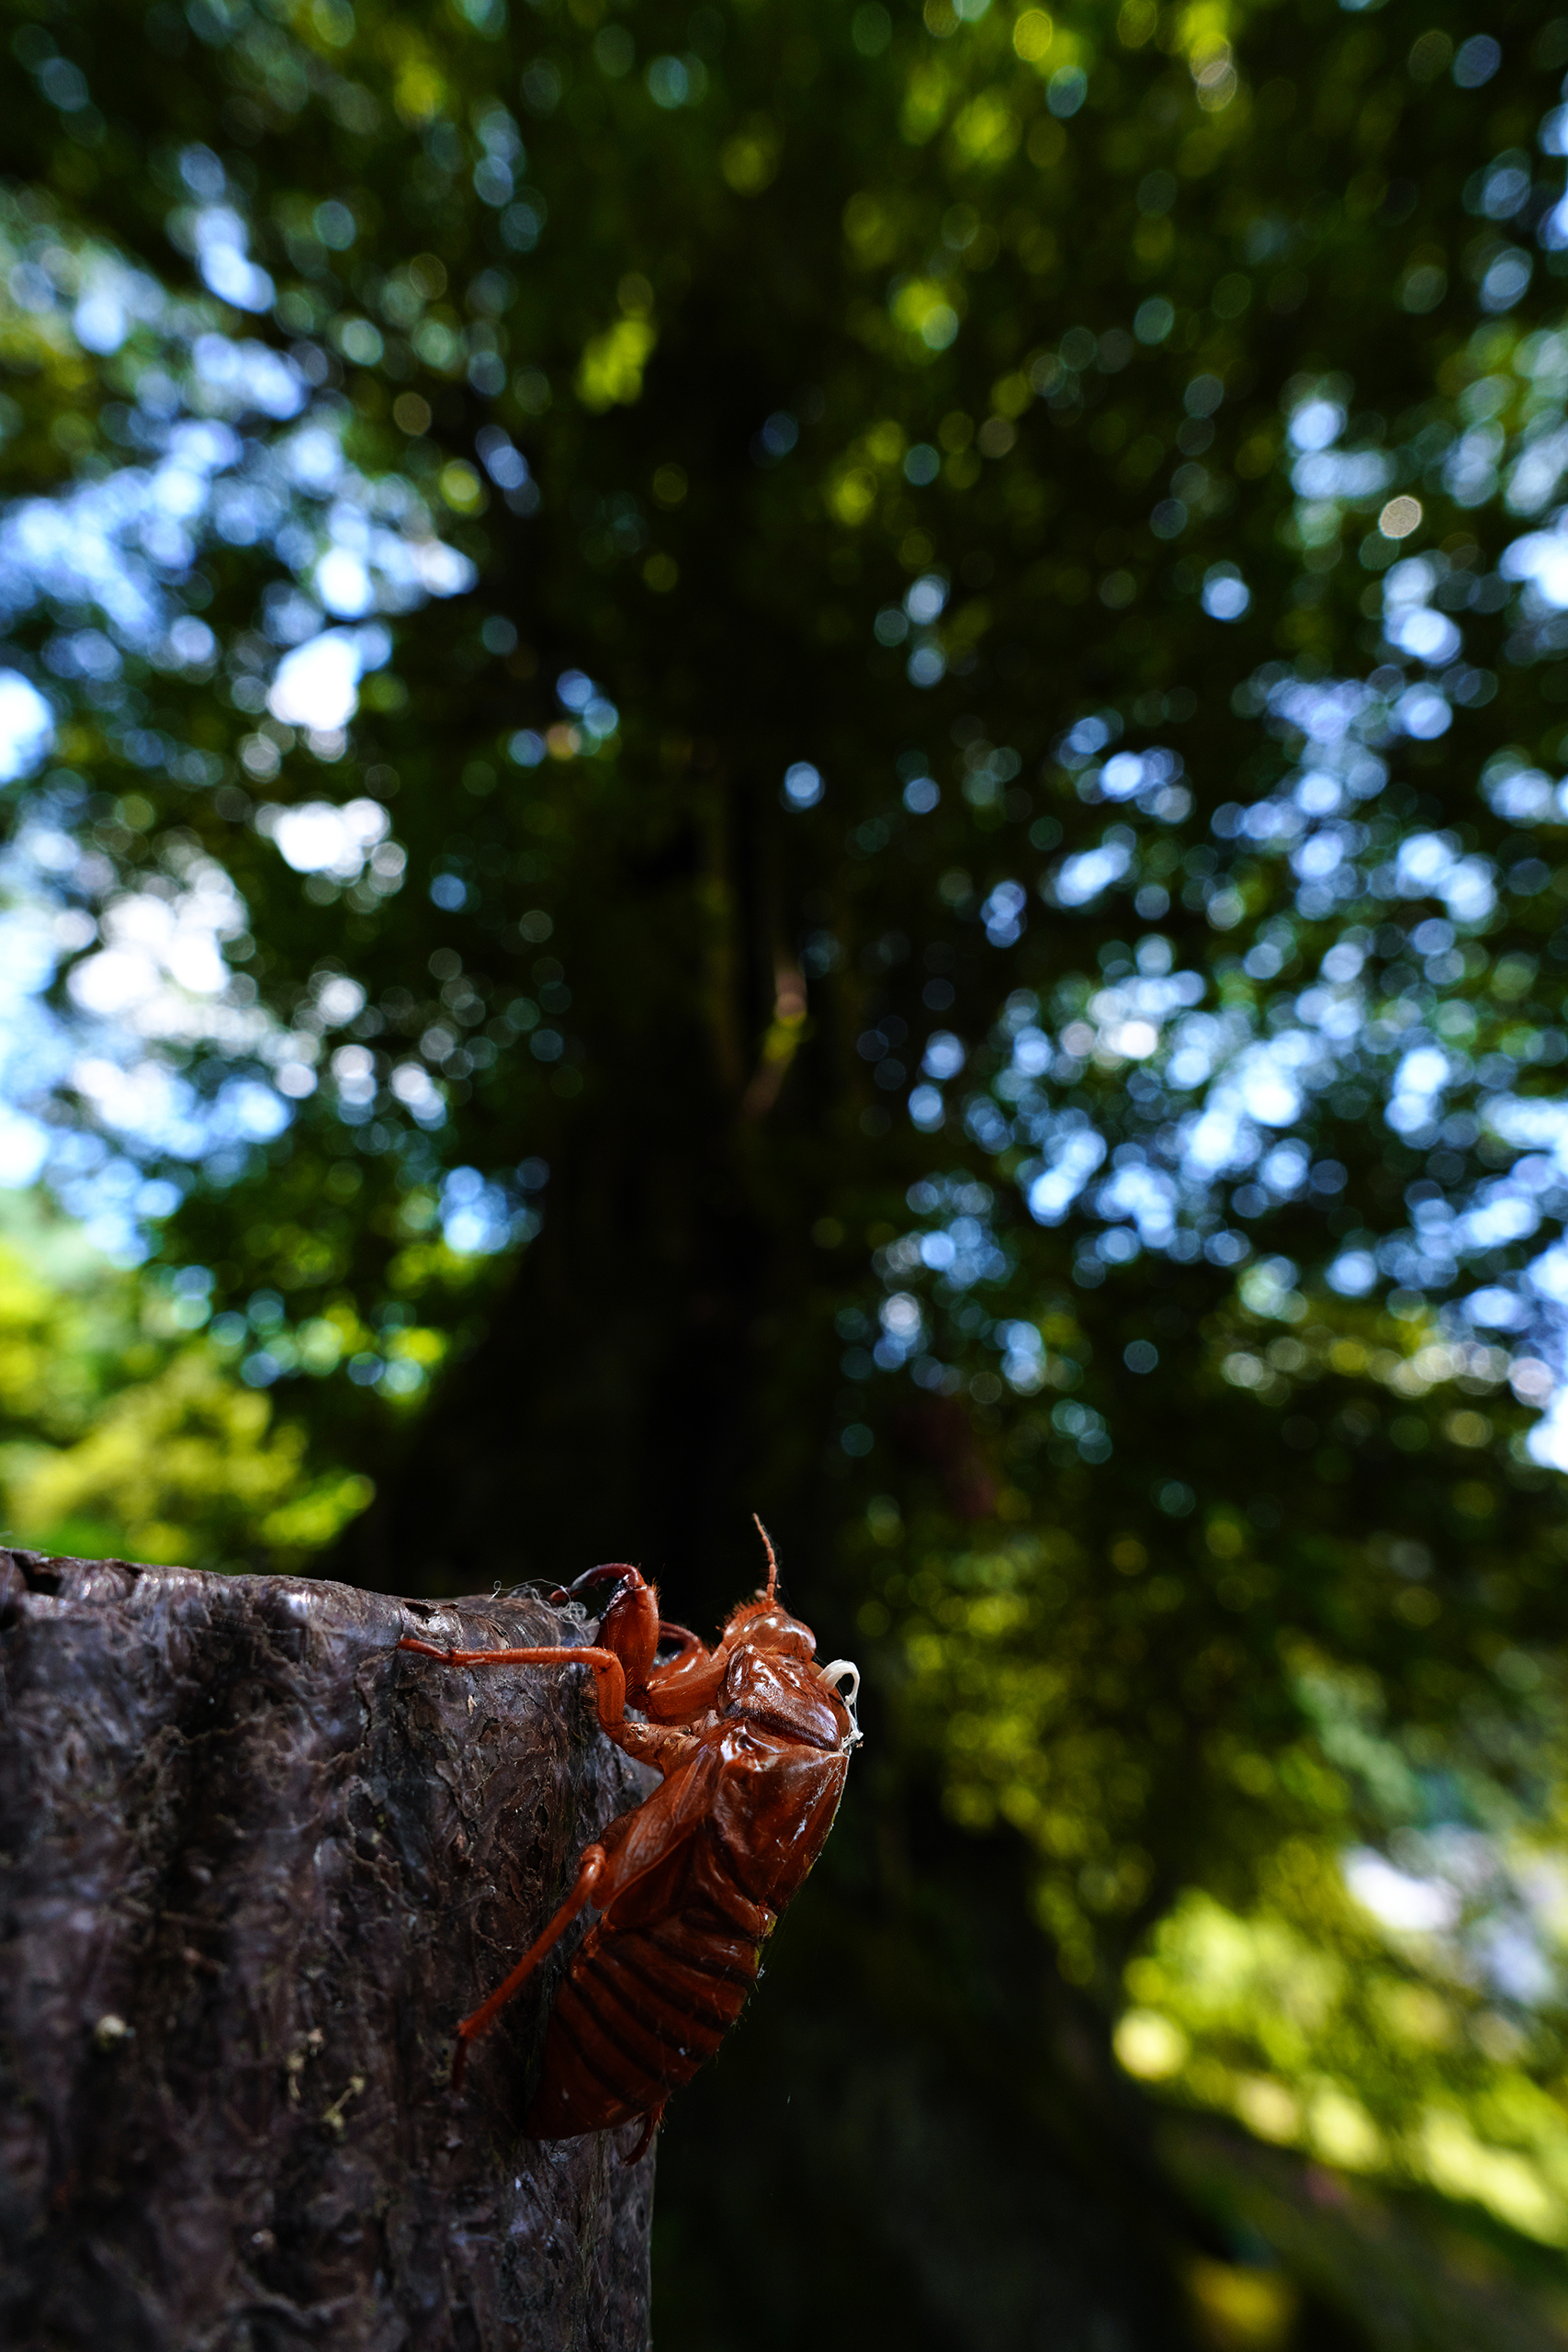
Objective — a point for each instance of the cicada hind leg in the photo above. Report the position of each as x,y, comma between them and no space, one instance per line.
587,1873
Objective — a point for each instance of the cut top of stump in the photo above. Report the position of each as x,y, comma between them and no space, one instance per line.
255,1864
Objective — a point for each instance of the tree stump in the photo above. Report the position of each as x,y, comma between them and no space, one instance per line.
257,1865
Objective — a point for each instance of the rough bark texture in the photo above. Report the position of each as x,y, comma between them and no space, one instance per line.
257,1864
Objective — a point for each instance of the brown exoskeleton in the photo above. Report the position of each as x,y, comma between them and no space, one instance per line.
753,1740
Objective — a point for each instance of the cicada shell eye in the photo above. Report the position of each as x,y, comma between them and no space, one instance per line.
844,1671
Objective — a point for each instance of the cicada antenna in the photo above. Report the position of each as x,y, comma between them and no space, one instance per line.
772,1558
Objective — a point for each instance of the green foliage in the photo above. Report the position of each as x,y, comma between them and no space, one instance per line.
1317,2035
1068,1691
121,1433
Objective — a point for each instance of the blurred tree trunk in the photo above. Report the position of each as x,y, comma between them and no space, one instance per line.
675,1248
257,1865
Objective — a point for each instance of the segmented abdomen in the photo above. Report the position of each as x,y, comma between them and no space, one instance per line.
641,2007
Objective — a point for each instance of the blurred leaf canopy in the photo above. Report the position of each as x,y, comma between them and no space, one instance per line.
813,757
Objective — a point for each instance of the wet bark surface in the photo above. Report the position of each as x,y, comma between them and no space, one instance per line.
255,1864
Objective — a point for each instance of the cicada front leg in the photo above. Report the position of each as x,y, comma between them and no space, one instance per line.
609,1674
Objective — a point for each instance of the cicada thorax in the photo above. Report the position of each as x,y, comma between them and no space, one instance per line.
772,1824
